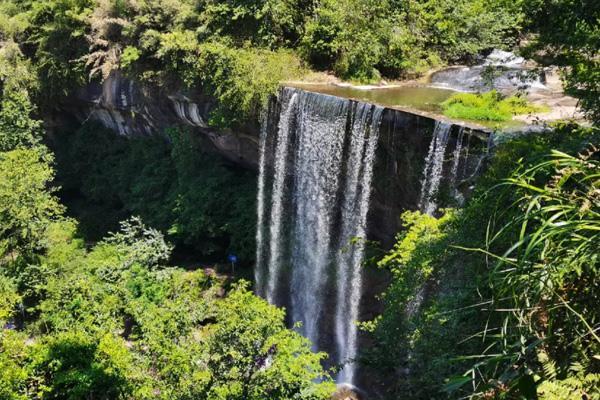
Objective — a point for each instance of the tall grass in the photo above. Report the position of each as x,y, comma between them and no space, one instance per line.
545,286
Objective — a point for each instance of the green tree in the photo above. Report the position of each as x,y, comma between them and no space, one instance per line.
56,40
9,298
349,37
115,322
254,356
17,126
27,205
569,33
269,23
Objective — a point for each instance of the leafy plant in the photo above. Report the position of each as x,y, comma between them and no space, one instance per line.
544,282
489,106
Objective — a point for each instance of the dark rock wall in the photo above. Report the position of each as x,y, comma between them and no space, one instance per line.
134,110
404,141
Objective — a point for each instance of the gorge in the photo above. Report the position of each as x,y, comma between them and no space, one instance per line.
334,173
299,199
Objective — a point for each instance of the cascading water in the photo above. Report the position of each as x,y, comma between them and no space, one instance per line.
354,218
318,162
432,173
316,167
278,193
455,164
323,150
260,204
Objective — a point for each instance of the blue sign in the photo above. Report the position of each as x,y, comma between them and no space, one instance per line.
232,258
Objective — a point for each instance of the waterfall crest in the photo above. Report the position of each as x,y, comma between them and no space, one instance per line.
321,152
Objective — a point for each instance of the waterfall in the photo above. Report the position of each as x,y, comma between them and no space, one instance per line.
355,207
260,205
455,164
281,151
432,173
323,151
456,156
318,162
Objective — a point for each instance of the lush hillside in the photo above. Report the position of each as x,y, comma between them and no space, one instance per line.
498,299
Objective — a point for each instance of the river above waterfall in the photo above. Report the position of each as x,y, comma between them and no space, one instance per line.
420,99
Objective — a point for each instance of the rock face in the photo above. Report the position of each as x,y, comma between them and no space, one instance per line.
404,141
135,110
407,145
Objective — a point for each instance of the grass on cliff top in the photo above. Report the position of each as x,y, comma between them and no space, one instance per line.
490,106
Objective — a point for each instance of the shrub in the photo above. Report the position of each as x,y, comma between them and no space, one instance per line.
490,106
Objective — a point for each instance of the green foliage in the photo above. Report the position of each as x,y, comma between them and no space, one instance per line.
359,39
348,36
116,322
180,188
255,357
242,80
76,366
9,298
573,388
461,299
211,201
270,23
26,205
569,34
138,244
17,127
15,372
56,35
463,29
545,281
489,106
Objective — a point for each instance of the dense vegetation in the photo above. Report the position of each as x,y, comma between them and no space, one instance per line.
203,205
495,300
238,51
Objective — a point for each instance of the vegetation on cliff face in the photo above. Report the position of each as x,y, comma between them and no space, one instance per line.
496,300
